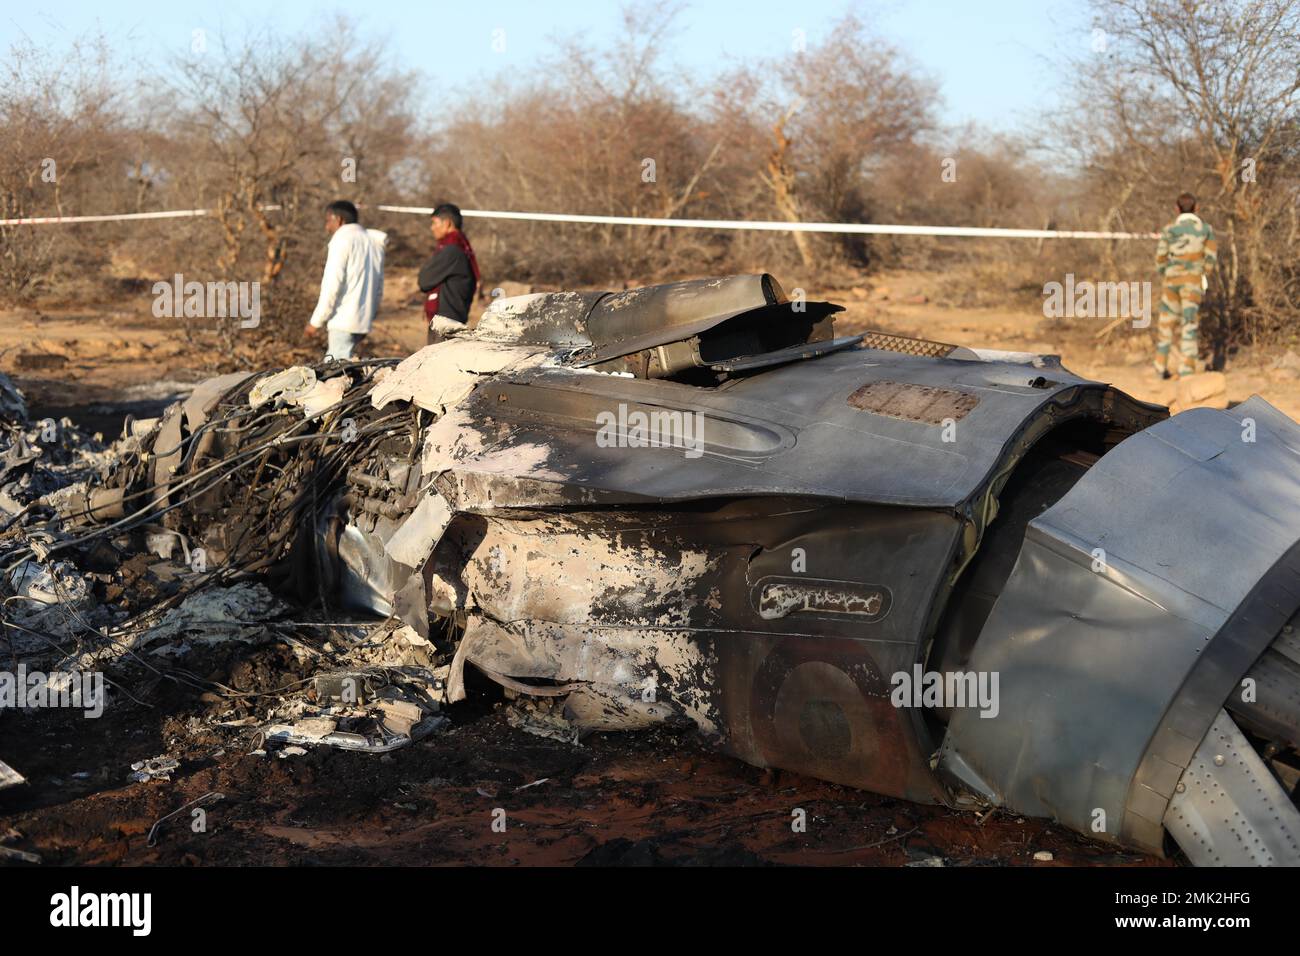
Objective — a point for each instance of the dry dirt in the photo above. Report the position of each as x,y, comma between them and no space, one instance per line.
617,799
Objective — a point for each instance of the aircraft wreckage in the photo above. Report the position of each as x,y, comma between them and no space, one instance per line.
949,575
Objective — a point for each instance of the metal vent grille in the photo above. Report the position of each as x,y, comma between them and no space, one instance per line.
901,343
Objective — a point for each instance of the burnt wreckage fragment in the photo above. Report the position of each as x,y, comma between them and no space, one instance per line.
950,575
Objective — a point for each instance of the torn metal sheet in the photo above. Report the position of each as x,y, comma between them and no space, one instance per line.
381,742
375,709
9,777
440,375
413,542
291,385
240,612
552,319
155,768
52,598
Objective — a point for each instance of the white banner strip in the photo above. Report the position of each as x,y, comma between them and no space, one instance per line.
117,217
47,220
844,228
865,228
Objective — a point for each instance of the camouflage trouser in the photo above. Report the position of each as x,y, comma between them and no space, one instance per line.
1180,303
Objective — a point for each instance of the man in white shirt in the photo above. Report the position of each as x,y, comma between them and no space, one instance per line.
353,284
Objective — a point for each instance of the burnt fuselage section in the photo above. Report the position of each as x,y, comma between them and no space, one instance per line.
694,504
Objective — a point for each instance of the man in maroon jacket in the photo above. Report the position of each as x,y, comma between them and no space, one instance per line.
451,275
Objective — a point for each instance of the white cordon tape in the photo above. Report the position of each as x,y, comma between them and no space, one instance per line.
844,228
851,228
117,217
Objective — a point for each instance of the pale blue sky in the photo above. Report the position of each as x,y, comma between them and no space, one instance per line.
998,62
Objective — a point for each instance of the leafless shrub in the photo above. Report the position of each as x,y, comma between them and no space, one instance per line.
60,123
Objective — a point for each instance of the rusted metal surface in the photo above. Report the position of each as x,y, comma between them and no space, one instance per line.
914,403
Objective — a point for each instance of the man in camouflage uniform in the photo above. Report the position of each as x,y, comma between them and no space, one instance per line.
1185,257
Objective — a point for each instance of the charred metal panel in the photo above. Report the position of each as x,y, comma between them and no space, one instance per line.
781,356
626,600
787,431
697,315
1130,616
759,529
821,706
702,569
555,319
439,376
635,319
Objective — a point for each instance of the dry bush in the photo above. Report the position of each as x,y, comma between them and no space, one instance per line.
262,120
60,131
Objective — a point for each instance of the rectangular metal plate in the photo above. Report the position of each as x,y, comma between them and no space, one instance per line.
914,403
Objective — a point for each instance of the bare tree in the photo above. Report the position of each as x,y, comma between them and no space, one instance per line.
1203,95
271,128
